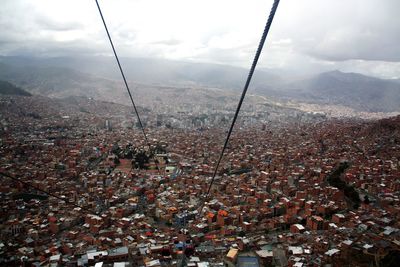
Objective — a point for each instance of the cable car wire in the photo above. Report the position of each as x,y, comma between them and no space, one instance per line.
246,86
124,79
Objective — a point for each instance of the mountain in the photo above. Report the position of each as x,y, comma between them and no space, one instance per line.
153,71
62,82
7,88
99,77
354,90
55,81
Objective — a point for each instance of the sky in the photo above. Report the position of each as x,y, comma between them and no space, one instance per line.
306,36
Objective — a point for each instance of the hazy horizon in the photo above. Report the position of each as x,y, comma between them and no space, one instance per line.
307,37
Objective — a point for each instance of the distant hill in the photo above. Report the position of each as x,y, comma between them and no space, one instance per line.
98,77
7,88
54,81
40,77
349,89
153,71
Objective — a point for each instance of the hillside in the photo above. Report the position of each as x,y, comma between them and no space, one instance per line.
7,88
349,89
62,82
188,83
153,71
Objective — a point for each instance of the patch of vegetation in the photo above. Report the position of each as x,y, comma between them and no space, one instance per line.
391,260
348,190
7,88
28,196
82,109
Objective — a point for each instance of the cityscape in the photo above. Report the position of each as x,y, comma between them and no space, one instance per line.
274,199
164,168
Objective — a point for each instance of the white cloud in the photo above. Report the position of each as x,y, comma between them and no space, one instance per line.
309,35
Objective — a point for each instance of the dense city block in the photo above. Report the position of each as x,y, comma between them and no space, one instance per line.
305,192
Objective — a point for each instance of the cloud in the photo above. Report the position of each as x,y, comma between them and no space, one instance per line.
308,35
351,30
46,23
169,42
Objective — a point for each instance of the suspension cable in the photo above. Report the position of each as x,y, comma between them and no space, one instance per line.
125,82
122,73
250,75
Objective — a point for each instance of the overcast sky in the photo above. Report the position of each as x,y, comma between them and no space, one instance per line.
306,35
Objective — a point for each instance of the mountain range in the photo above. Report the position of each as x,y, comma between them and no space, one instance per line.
99,76
354,90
